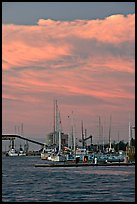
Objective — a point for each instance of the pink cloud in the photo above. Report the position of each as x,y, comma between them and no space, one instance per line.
113,29
88,59
49,39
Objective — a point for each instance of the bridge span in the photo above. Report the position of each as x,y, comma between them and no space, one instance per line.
13,136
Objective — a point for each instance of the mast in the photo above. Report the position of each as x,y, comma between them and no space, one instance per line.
59,141
85,137
109,134
82,134
15,129
22,132
129,133
74,137
59,130
118,141
73,133
18,130
54,121
58,126
69,142
72,142
99,132
12,144
102,136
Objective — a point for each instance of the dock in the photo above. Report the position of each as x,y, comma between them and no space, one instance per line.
82,164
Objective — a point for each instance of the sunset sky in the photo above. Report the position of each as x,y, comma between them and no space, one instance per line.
82,54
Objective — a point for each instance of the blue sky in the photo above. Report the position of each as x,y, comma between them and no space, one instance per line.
29,12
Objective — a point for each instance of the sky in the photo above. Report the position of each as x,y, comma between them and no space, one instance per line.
80,53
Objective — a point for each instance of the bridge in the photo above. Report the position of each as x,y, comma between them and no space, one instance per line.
14,136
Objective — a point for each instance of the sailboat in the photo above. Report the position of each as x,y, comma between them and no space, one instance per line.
12,151
21,152
53,154
57,156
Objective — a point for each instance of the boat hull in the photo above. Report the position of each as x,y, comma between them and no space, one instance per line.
57,158
44,156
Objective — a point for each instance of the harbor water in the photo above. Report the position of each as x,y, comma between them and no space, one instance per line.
23,182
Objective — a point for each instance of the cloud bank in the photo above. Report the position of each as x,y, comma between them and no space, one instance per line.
90,60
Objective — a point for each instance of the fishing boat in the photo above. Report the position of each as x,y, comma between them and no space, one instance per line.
21,152
94,158
12,153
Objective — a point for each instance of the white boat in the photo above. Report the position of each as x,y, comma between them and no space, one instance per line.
12,152
44,156
45,153
57,157
21,153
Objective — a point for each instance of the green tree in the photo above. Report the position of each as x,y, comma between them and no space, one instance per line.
122,145
132,142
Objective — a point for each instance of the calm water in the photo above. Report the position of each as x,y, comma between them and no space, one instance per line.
22,182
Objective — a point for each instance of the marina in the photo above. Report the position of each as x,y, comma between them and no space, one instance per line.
63,147
56,151
68,102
